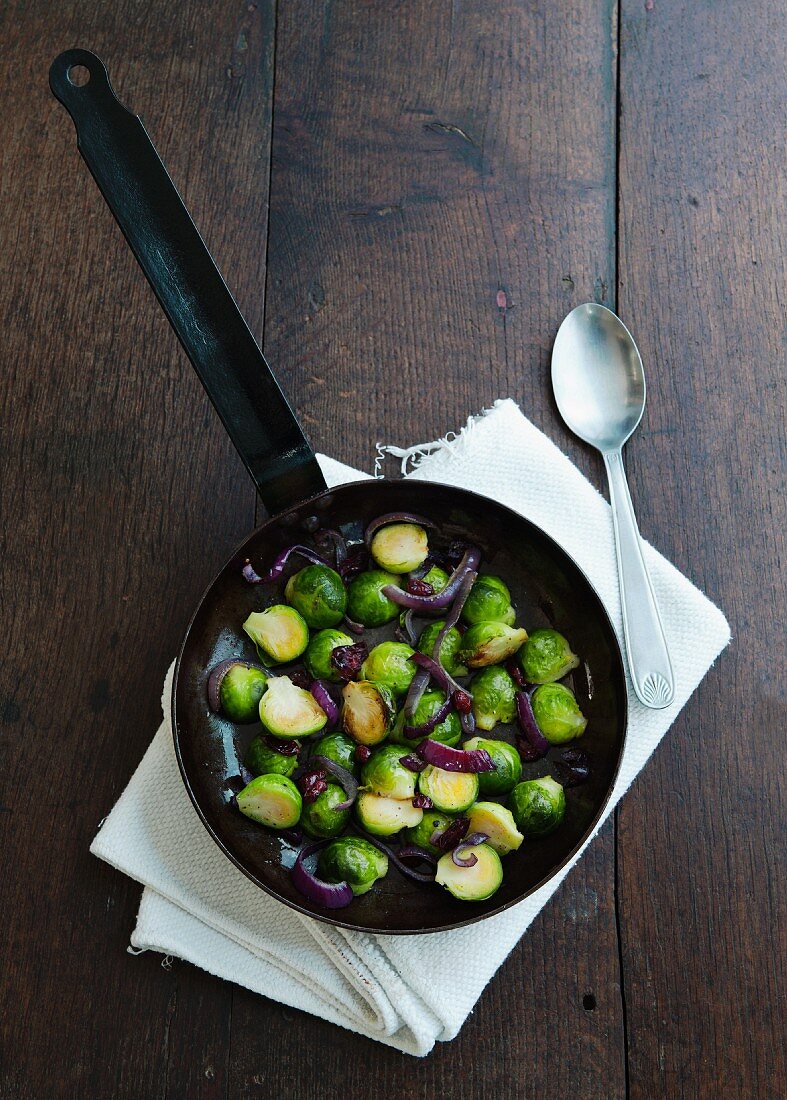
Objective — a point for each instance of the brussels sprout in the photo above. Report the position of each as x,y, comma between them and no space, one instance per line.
368,711
321,817
339,748
437,577
383,774
450,791
318,593
494,697
557,713
389,664
289,711
489,601
400,547
240,693
354,860
546,656
263,760
488,643
476,883
498,824
448,649
538,806
449,731
271,800
279,633
366,602
317,657
383,816
422,833
508,767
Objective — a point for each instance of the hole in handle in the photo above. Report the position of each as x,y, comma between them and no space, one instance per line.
78,75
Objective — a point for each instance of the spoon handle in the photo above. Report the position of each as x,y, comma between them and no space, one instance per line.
649,661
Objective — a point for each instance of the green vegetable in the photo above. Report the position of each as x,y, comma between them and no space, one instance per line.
289,711
498,824
450,791
366,602
400,547
271,800
318,593
557,713
389,664
476,883
448,649
263,760
321,817
279,633
368,711
494,697
489,643
354,860
383,774
421,834
538,806
382,816
339,748
240,693
489,601
437,577
507,762
449,731
546,656
317,657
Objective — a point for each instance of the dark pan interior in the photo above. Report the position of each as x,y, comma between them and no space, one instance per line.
548,590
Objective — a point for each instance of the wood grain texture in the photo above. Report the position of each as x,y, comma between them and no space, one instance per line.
702,282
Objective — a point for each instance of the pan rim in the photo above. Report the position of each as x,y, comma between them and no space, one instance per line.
619,672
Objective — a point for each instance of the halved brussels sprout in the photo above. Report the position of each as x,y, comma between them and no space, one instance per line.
317,657
271,800
422,833
449,731
382,816
546,656
367,603
489,601
279,633
368,711
450,791
508,767
557,713
263,760
339,748
240,693
498,824
489,643
383,774
437,577
389,664
354,860
289,711
494,697
318,593
476,883
321,818
448,649
400,547
538,806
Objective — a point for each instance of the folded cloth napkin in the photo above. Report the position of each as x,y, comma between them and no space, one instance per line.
196,905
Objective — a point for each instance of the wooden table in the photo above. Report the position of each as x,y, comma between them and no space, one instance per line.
406,198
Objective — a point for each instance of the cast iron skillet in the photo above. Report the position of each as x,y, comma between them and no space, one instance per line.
547,586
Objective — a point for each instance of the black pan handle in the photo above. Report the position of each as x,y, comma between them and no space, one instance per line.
187,283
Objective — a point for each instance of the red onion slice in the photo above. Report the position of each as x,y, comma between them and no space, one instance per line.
216,678
394,517
412,763
329,895
426,727
395,858
405,631
415,851
279,563
438,600
455,760
436,671
352,626
326,536
324,699
468,842
527,720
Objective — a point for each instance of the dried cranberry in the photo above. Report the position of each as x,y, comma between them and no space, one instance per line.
419,588
300,677
312,786
422,802
463,701
347,659
526,751
311,524
356,561
362,753
286,748
516,674
452,834
573,767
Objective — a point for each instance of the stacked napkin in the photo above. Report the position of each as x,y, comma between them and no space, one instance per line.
196,905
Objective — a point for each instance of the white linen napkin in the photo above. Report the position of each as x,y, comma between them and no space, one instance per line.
196,905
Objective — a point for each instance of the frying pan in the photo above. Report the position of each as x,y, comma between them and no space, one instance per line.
547,586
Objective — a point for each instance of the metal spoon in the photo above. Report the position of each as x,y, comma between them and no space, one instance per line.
599,387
